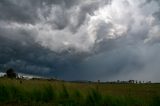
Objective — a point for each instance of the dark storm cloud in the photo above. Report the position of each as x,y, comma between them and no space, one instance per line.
81,40
17,10
26,10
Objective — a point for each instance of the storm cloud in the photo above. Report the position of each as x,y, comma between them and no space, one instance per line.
81,40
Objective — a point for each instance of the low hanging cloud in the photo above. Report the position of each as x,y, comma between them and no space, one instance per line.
90,40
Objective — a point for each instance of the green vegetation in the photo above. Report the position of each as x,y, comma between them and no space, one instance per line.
14,92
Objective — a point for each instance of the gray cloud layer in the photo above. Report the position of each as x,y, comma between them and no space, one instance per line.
76,39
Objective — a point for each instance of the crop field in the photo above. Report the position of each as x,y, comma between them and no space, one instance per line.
18,92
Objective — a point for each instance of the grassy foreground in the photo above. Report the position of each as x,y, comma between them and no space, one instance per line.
15,92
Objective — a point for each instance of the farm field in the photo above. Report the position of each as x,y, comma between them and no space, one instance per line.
18,92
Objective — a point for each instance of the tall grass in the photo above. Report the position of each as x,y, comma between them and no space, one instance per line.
94,98
44,93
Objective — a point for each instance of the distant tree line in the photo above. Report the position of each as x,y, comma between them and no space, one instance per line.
10,73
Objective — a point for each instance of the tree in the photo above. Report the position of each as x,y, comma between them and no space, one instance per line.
11,73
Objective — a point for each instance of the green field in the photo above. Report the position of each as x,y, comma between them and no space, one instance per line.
16,92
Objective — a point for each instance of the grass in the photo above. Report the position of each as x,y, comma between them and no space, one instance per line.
56,93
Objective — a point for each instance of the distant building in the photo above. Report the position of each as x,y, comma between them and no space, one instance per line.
131,81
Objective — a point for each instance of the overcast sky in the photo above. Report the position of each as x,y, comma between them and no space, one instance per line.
81,39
